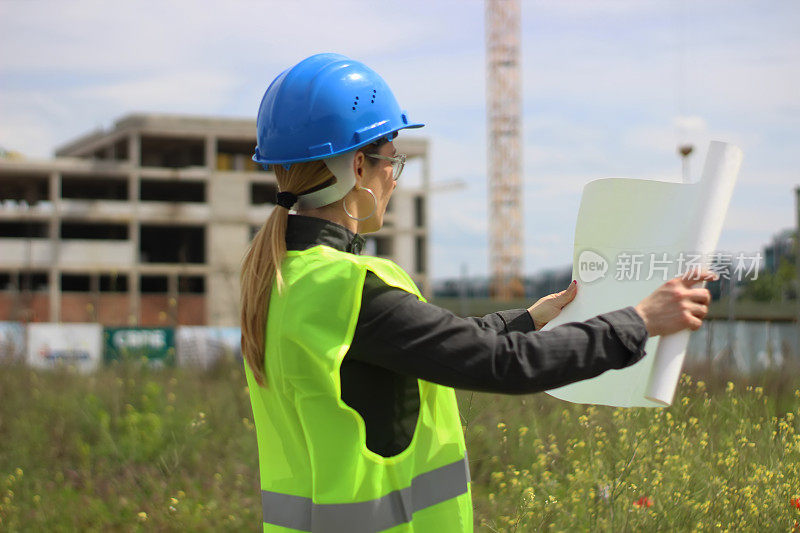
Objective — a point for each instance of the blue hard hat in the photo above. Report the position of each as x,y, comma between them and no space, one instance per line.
325,105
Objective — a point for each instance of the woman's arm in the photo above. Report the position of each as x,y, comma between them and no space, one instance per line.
398,332
504,321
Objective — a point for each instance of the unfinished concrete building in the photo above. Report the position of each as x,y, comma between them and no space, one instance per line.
146,224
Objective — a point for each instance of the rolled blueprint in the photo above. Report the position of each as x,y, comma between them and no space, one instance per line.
632,235
714,194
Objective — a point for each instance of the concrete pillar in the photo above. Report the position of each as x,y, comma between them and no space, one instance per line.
403,232
135,149
134,152
211,153
54,274
227,238
18,312
228,242
94,290
172,298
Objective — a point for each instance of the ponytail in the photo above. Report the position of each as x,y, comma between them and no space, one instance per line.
261,266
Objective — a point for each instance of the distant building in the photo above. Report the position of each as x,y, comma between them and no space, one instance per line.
146,224
540,284
782,245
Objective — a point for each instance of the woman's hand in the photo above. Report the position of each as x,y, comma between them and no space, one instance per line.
547,308
676,305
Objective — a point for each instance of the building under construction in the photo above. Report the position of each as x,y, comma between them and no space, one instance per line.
146,224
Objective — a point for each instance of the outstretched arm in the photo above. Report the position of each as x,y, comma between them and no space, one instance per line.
399,332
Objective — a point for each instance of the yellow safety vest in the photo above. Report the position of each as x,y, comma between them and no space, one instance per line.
316,472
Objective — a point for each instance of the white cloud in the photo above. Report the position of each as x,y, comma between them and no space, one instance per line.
757,219
31,137
690,123
180,91
101,36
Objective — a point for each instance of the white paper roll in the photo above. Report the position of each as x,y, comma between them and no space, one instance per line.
716,188
620,218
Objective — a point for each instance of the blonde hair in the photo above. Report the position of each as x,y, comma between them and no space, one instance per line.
261,265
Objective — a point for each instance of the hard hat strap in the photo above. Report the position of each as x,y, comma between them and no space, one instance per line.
340,166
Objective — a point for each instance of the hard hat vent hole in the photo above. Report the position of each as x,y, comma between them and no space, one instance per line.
372,101
354,108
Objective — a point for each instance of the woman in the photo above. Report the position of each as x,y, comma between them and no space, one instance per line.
350,371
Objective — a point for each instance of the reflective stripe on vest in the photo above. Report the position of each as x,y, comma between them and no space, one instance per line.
388,511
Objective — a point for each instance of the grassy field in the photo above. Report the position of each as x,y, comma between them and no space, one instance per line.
132,449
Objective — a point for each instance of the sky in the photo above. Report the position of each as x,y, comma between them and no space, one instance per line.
610,89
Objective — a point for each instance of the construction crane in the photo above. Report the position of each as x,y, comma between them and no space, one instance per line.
504,117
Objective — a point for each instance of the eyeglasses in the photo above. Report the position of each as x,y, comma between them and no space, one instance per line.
398,162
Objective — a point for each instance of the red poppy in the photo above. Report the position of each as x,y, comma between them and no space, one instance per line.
795,502
644,501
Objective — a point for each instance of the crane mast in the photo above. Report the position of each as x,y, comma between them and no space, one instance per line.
504,158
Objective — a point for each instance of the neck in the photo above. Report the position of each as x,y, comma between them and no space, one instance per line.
333,213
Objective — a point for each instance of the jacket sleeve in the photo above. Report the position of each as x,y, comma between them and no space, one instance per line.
398,332
510,320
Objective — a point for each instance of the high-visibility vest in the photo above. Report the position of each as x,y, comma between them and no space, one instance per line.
317,473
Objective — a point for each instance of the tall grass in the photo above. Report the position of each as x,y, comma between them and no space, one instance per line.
127,449
724,457
130,449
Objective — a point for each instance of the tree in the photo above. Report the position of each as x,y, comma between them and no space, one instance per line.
773,287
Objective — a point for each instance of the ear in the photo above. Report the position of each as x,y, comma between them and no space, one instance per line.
358,167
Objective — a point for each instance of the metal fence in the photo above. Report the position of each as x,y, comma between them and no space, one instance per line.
745,346
741,346
87,346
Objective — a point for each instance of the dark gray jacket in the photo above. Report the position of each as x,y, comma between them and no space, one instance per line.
398,339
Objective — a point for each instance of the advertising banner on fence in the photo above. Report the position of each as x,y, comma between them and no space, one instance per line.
78,345
12,342
202,346
156,346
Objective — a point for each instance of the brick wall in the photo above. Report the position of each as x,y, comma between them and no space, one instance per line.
33,307
109,309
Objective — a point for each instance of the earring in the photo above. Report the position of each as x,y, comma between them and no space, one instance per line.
374,205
